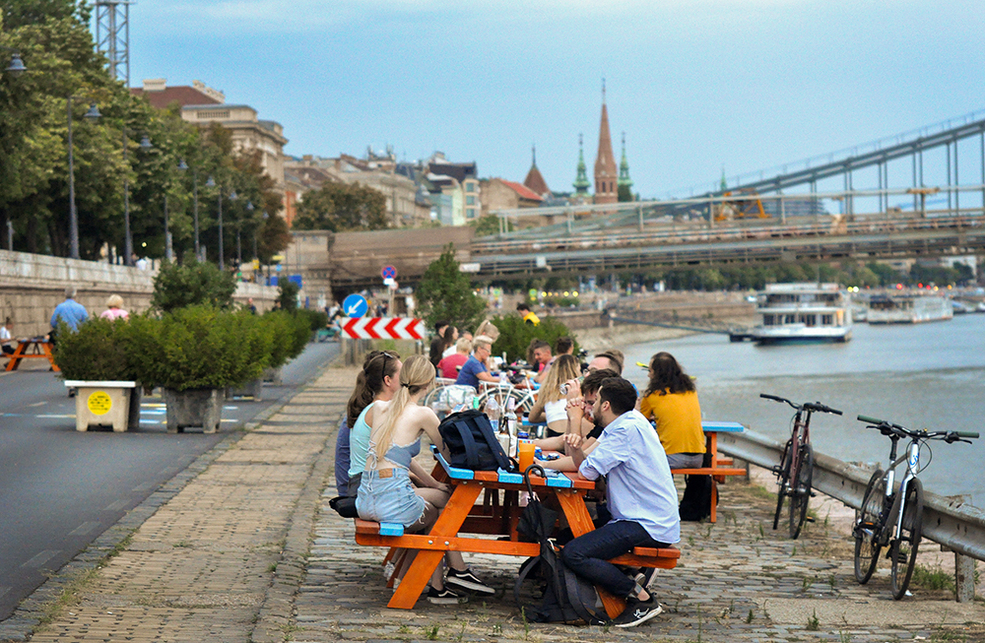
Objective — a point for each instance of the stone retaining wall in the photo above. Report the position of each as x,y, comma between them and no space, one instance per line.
32,285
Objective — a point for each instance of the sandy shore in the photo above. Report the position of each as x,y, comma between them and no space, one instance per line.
599,339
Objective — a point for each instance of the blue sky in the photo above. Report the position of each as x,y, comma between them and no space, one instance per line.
695,84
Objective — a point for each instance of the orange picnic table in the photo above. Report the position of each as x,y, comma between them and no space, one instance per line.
34,348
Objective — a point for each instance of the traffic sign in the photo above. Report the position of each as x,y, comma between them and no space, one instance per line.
388,272
355,306
384,328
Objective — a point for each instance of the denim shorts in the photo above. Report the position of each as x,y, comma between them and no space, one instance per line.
389,499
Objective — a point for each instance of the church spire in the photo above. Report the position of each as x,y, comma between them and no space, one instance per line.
624,180
581,183
535,181
605,163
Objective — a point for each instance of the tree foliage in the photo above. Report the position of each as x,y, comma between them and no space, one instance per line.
445,292
489,225
339,207
177,286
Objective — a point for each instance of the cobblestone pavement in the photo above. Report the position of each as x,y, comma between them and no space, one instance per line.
243,547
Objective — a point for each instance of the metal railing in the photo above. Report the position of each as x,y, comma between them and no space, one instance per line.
949,521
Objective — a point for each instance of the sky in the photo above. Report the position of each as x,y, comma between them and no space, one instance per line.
697,86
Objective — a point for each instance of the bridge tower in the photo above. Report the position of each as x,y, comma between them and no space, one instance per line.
581,183
113,36
605,162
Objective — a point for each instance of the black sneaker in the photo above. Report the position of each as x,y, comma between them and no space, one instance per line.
468,581
445,597
637,612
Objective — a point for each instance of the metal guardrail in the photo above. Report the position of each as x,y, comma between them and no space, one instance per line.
949,521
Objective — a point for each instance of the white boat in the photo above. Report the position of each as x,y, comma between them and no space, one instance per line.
802,312
909,309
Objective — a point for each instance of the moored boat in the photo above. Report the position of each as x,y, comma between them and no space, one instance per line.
802,312
909,309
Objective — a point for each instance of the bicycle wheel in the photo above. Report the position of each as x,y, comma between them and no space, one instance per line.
502,394
782,477
800,490
867,528
904,549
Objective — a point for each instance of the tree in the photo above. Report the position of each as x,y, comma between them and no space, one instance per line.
445,292
624,194
177,286
287,295
489,225
339,207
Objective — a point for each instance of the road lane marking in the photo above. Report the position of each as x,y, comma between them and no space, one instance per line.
84,529
3,590
147,486
38,404
41,558
119,505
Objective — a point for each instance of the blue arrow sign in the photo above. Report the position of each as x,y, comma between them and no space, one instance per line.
355,306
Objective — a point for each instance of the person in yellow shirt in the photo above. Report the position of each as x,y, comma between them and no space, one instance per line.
528,315
671,401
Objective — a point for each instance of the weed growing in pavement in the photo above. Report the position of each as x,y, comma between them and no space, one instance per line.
749,616
431,633
936,579
182,543
766,613
793,552
762,532
812,623
461,634
272,567
844,637
497,629
690,541
403,629
526,623
69,595
708,530
805,583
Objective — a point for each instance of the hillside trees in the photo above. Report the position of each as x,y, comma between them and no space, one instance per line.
339,207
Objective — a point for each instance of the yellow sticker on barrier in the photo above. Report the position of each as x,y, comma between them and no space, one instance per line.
99,403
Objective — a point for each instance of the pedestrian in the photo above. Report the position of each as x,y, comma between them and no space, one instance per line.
69,312
114,309
6,339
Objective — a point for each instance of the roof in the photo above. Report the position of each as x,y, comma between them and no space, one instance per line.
522,190
184,95
535,181
458,171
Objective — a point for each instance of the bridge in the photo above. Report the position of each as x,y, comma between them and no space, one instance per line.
755,221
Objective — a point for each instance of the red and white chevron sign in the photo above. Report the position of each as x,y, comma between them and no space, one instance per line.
383,328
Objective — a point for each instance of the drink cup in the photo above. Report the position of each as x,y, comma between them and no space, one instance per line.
526,455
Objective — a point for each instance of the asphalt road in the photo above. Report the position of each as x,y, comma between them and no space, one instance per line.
60,488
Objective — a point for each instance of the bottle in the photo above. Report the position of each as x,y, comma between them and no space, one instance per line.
510,416
492,412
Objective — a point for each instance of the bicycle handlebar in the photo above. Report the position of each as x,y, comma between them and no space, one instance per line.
888,428
807,406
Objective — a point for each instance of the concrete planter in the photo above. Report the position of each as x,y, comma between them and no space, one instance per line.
253,388
106,404
195,408
272,375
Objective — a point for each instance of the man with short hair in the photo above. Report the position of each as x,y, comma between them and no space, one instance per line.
542,358
437,349
7,343
611,358
528,316
474,368
640,495
69,311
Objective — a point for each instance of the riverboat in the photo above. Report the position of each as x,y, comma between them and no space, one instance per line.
909,309
802,312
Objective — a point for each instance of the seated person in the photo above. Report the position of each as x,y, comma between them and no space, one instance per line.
564,344
474,369
580,399
438,343
551,404
386,493
612,359
450,336
7,343
671,401
542,359
450,364
640,495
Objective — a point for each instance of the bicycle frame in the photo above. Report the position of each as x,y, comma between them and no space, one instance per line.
800,436
896,496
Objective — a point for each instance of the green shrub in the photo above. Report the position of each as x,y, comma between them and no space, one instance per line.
177,286
289,334
515,335
287,295
199,347
317,319
96,352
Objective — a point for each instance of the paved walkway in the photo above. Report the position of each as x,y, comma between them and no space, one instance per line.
243,547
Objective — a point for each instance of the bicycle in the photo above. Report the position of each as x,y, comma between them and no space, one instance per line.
795,473
525,395
893,516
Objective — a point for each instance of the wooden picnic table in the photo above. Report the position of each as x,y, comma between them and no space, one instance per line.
33,348
719,466
463,515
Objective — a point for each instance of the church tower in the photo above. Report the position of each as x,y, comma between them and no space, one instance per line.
605,162
581,183
535,181
625,183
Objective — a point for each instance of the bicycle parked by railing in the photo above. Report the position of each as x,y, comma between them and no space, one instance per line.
892,516
795,473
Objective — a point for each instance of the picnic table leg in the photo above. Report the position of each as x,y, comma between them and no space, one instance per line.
580,522
46,347
16,356
425,562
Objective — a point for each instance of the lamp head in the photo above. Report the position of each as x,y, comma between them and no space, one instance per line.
93,112
210,183
16,66
145,142
182,165
233,196
249,206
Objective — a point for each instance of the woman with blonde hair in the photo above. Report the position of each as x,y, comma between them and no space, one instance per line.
114,305
386,492
551,404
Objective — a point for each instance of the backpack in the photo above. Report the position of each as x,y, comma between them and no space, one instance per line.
568,598
471,442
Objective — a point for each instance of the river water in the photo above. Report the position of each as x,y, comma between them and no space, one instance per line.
921,376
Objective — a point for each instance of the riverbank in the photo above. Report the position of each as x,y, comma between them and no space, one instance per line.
595,340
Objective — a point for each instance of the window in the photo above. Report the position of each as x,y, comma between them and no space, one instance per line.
827,320
470,212
768,320
470,199
470,186
791,319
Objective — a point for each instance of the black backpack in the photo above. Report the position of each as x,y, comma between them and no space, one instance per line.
568,598
471,442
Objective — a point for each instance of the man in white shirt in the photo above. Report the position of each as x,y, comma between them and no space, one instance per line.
640,494
6,340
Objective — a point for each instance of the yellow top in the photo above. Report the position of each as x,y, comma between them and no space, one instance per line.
678,418
531,318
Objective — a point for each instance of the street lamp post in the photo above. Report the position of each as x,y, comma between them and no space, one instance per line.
232,197
128,239
184,166
239,229
73,215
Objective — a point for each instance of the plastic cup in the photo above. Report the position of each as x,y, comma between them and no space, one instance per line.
526,455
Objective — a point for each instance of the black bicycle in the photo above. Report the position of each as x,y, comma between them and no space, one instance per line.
892,516
795,473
